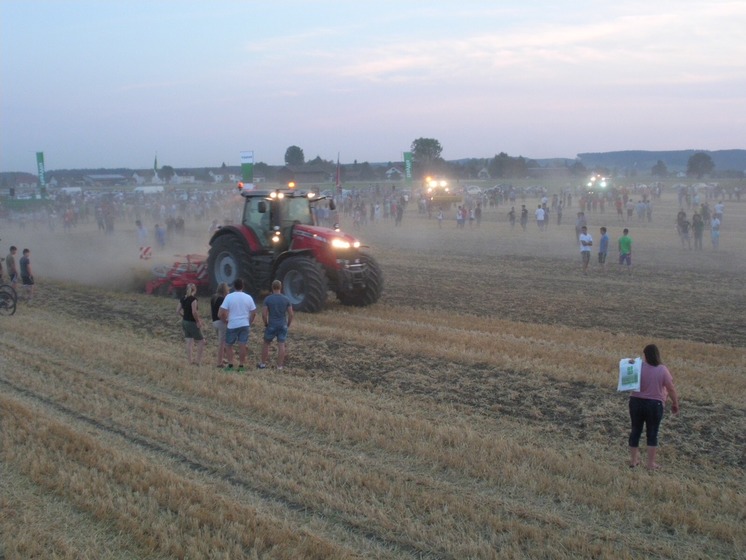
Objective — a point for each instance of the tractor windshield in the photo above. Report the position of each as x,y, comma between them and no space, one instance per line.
296,211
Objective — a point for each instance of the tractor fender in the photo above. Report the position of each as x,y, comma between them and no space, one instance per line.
241,232
288,254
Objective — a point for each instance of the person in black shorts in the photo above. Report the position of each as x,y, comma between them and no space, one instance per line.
27,275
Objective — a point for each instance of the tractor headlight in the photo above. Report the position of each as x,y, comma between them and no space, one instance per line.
338,243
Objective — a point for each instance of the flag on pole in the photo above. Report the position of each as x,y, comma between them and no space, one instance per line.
42,173
408,166
40,169
339,177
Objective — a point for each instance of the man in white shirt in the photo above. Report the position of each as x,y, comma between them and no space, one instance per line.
540,217
238,310
586,242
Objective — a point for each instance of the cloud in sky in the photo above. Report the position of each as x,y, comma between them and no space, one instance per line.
106,84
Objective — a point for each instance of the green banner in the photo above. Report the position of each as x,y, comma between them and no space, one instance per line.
247,167
42,178
408,166
40,167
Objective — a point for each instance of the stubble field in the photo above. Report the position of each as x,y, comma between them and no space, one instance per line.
471,413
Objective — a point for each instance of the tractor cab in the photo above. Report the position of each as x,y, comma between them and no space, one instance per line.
272,215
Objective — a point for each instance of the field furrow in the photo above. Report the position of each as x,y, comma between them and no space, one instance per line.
471,413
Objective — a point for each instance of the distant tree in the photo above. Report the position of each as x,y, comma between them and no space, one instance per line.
578,169
699,165
317,161
367,173
502,165
261,169
167,172
223,166
426,150
659,169
294,156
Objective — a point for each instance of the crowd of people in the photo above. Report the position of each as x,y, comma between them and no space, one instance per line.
702,218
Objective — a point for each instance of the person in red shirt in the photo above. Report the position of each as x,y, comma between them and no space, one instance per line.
646,405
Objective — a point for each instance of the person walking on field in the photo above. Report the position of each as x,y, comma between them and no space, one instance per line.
625,250
539,213
191,324
217,323
646,406
239,311
603,249
586,242
277,315
715,232
27,275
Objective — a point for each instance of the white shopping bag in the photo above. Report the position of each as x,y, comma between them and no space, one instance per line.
629,374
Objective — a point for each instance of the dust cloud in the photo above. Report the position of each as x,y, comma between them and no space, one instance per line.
85,254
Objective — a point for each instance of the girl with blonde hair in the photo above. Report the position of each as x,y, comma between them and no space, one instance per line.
191,324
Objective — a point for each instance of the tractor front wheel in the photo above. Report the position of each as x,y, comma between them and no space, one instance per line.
303,283
368,294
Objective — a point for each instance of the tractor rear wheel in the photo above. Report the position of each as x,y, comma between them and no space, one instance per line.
228,260
304,283
370,293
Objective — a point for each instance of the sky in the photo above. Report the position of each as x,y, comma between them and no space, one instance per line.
110,84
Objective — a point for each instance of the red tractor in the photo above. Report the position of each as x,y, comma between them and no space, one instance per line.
279,238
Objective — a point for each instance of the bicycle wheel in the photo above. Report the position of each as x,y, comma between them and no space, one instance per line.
10,290
7,303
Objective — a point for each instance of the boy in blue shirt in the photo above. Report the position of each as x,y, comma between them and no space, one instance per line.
603,249
277,314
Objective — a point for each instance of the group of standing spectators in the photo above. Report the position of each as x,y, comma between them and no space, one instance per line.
233,314
624,244
21,270
702,219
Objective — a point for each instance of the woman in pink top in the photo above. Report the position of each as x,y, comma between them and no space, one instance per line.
646,405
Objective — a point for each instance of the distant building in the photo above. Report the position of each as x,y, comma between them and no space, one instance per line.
394,174
105,180
307,173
